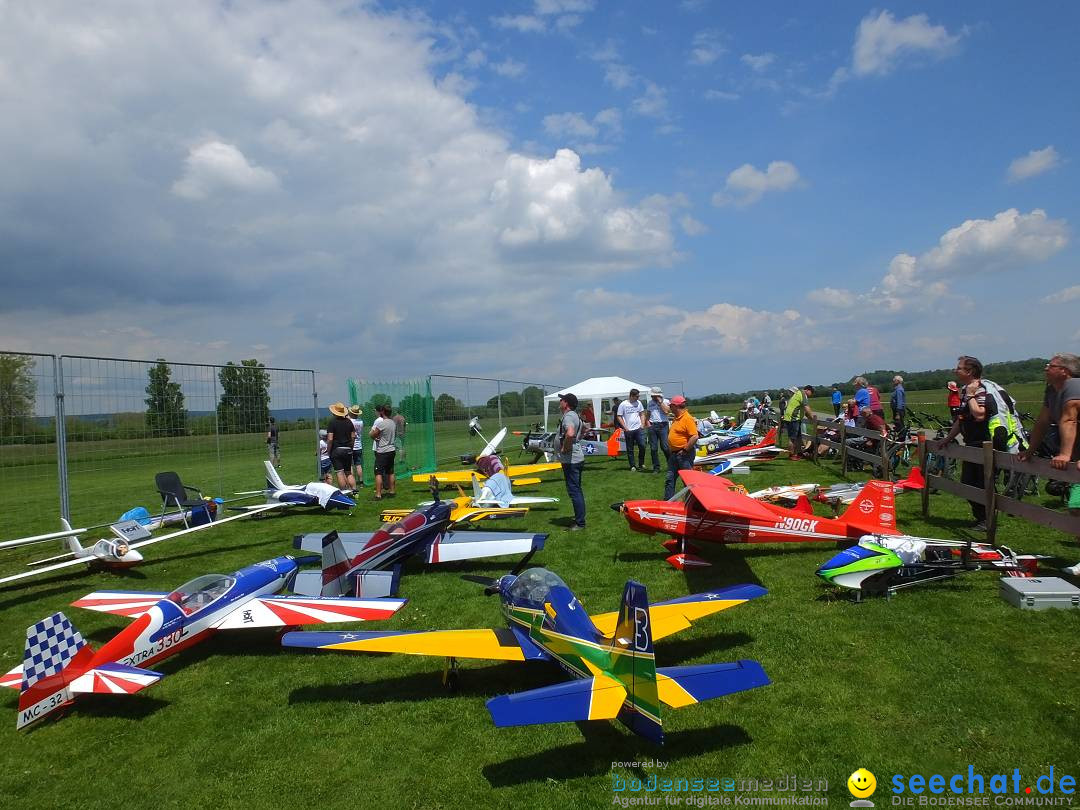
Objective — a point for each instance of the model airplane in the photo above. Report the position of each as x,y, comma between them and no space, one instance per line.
108,553
881,564
280,495
737,447
491,500
370,564
835,495
517,473
610,656
59,665
543,443
711,509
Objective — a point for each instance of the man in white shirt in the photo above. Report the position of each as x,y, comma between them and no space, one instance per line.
630,417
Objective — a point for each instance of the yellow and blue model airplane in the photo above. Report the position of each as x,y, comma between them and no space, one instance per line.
610,656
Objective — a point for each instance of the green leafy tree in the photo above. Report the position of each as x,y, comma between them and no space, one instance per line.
449,407
17,391
165,412
533,399
412,406
511,403
244,406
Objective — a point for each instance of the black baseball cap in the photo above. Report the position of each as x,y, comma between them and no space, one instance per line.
570,400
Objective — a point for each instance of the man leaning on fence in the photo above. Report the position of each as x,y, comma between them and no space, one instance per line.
572,457
1061,406
971,423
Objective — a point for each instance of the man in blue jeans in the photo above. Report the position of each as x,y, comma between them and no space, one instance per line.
631,418
572,457
656,423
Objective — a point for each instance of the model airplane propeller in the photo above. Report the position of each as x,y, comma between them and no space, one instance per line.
609,656
58,664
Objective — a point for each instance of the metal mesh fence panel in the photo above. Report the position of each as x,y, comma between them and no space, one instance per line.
409,399
29,481
512,404
127,420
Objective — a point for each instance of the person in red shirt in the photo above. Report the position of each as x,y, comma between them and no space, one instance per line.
953,400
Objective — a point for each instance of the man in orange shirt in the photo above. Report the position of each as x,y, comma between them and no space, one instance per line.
682,440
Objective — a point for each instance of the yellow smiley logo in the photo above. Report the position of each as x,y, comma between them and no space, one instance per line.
861,783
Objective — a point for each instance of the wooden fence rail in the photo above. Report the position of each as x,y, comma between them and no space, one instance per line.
994,461
880,457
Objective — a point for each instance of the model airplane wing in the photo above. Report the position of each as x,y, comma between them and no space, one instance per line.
121,603
248,513
291,611
465,476
495,645
456,546
114,679
673,615
597,698
683,686
718,495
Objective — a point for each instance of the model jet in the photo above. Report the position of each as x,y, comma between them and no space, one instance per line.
712,510
280,495
609,656
370,564
883,564
58,664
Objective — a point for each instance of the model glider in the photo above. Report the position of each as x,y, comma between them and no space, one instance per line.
712,510
58,664
280,495
118,553
882,564
370,564
610,656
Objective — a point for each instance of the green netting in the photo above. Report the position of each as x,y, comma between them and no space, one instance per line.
413,400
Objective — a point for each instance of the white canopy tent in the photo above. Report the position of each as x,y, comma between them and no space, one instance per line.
597,389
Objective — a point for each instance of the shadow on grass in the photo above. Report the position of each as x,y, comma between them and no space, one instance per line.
671,653
605,743
484,682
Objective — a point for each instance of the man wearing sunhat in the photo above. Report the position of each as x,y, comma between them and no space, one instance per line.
339,436
571,456
682,441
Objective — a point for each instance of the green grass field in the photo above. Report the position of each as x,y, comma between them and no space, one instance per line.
929,682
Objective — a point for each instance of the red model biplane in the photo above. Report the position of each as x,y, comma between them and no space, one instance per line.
712,510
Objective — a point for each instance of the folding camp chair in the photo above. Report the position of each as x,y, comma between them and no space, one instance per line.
174,493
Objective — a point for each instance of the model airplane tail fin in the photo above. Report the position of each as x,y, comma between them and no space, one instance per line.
633,664
770,437
613,442
914,480
335,566
51,646
874,509
71,543
273,480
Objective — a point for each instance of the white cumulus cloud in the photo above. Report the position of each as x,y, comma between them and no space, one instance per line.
882,42
758,62
746,185
215,167
1034,162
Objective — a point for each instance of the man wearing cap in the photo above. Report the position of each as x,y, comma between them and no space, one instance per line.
630,418
656,423
339,436
358,443
571,456
682,442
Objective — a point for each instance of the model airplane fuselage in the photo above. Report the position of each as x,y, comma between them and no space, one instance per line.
284,496
58,664
711,509
610,657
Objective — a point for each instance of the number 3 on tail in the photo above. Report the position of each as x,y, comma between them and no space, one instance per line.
641,630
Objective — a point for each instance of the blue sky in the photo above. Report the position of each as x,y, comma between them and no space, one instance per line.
732,196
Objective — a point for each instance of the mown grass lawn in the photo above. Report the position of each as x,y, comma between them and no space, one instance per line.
929,682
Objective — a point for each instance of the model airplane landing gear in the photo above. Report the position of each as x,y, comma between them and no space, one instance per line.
450,675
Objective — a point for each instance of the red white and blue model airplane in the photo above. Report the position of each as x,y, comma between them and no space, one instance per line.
59,665
369,564
609,656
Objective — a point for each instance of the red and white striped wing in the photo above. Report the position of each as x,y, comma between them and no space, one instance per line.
291,611
120,603
114,679
13,678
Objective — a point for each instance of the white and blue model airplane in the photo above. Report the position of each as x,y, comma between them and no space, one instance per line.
280,495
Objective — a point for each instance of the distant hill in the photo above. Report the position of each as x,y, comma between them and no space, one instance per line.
1007,373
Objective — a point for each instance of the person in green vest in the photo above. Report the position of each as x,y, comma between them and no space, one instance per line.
798,406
